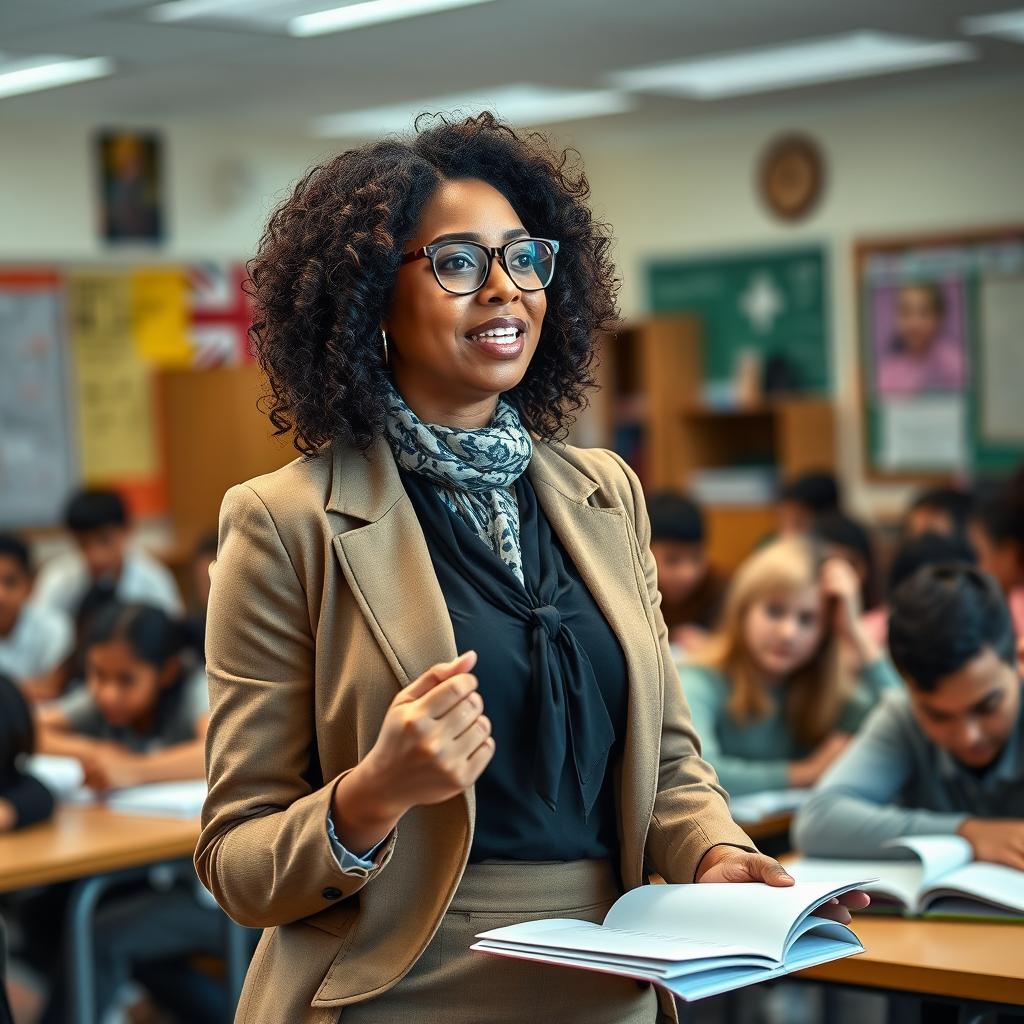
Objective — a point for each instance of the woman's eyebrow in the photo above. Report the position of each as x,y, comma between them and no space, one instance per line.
473,236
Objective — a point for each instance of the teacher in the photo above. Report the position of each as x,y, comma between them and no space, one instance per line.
442,697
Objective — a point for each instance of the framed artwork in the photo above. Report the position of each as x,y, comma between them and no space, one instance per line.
131,186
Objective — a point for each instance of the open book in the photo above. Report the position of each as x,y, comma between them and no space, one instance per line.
65,778
694,940
940,879
753,808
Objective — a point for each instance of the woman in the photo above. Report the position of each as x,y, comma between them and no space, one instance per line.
426,352
773,694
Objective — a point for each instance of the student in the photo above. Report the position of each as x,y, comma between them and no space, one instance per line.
805,499
24,800
912,555
691,591
203,557
940,510
947,755
769,696
34,639
997,532
142,717
98,521
847,539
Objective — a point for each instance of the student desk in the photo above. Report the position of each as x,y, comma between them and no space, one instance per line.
96,848
963,960
777,825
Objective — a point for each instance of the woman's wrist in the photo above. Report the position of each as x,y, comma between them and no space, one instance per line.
361,817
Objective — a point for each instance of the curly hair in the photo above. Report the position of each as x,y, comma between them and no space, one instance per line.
324,272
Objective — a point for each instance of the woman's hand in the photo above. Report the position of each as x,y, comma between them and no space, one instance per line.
730,864
108,766
840,584
434,743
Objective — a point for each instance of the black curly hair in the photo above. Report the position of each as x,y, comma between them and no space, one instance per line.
324,272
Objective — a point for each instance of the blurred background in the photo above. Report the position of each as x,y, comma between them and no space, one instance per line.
817,209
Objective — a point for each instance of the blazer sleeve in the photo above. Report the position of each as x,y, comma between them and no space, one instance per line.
691,813
264,851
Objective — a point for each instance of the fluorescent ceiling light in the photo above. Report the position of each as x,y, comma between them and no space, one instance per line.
1006,24
32,74
852,55
371,12
523,104
227,10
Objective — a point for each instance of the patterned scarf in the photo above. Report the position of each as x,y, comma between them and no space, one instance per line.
472,470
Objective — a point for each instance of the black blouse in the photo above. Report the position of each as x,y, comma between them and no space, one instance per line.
553,681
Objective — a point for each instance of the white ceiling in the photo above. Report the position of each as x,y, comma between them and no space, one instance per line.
180,71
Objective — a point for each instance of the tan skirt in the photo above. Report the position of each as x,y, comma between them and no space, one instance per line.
451,985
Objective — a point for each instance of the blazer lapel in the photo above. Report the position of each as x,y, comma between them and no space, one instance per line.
599,543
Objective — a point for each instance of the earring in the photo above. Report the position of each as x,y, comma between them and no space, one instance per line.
384,339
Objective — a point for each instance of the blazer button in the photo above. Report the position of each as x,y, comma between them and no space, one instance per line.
331,894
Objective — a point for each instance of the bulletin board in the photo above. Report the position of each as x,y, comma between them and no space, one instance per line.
941,353
81,350
772,301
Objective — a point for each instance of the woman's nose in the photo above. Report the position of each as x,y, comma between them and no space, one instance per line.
499,288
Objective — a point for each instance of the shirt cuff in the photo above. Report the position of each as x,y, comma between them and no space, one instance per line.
355,863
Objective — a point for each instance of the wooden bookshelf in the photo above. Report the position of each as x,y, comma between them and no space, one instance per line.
652,413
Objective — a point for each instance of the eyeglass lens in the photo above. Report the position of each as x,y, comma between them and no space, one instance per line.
462,267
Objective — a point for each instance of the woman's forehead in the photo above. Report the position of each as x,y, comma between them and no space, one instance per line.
469,208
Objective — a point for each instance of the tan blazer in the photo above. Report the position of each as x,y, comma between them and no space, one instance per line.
324,604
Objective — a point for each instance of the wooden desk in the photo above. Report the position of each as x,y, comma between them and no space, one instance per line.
959,959
768,828
95,848
82,841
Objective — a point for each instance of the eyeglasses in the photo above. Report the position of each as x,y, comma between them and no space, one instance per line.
463,267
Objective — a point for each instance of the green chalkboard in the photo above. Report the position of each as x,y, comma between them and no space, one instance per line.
773,301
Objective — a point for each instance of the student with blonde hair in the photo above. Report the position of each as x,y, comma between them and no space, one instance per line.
774,695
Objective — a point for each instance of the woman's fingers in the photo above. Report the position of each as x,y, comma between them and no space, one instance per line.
437,674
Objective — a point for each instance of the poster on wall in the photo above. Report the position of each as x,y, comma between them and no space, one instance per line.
942,364
219,314
116,416
130,177
37,470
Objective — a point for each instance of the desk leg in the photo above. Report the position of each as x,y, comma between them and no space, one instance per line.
79,947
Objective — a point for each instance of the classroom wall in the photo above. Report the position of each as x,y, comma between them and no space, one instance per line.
898,162
915,162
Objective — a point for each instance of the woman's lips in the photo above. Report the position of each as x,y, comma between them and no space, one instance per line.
499,338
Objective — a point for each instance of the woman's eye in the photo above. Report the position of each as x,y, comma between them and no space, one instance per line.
807,621
456,263
523,261
775,611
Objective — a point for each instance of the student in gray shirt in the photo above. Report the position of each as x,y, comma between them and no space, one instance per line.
947,756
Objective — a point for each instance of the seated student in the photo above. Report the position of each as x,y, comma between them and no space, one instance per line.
805,499
34,640
770,697
946,755
997,532
24,800
98,521
691,590
203,557
847,539
142,716
914,554
941,510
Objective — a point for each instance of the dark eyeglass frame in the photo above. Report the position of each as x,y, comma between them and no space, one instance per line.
499,252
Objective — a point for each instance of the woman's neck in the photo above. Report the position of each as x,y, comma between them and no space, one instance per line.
445,409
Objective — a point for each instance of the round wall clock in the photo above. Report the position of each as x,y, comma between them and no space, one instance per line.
791,176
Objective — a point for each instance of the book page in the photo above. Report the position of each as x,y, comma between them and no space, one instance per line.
182,799
899,881
993,884
756,807
761,917
937,854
